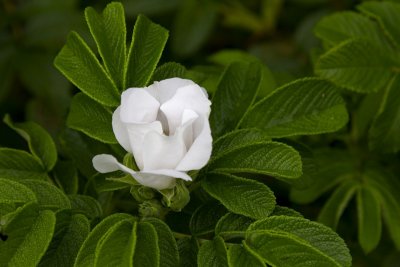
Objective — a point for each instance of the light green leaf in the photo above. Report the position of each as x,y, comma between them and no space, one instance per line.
386,13
66,176
290,241
18,165
48,196
205,218
68,238
237,139
117,246
235,93
78,63
369,218
357,65
168,70
29,234
270,158
14,192
337,203
40,142
384,134
231,224
148,42
109,32
188,250
146,245
213,253
242,196
305,106
86,205
86,254
169,255
91,118
238,256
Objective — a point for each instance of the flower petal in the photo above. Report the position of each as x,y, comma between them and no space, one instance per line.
138,106
200,151
120,131
188,97
104,163
166,89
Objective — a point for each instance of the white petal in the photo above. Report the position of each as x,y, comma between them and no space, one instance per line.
160,179
120,131
200,151
138,106
162,152
186,129
165,89
189,97
136,135
104,163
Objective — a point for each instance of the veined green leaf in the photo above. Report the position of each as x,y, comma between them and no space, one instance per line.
205,218
213,253
147,244
168,70
242,196
78,63
148,42
235,93
169,255
91,118
86,254
231,224
357,65
369,218
384,134
117,246
239,256
386,13
15,192
68,238
66,176
18,165
279,210
270,158
109,32
337,203
305,106
291,241
48,196
85,205
29,234
188,250
40,142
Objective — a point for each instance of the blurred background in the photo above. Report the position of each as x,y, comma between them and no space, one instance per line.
277,32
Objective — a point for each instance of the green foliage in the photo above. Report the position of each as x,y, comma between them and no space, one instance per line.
213,254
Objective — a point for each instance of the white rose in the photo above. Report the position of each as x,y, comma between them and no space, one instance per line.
165,126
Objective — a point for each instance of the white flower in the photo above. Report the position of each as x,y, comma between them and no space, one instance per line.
165,126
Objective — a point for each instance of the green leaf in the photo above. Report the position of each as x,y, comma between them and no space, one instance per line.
386,13
337,203
14,192
117,246
231,224
48,196
78,63
357,65
168,70
18,165
242,196
148,42
235,93
384,132
86,205
109,32
237,139
40,142
305,106
91,118
147,244
86,254
68,238
290,241
66,176
169,254
205,218
188,250
279,210
29,234
239,256
369,218
213,254
270,158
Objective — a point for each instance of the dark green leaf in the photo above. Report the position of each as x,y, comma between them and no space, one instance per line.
66,176
169,70
231,224
188,249
86,205
205,218
147,252
213,254
239,256
14,192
